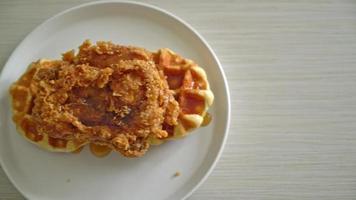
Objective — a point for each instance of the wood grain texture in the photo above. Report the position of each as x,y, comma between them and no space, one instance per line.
291,67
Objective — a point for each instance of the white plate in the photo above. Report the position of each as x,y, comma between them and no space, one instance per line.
38,174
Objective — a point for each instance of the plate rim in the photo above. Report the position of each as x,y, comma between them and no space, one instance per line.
176,18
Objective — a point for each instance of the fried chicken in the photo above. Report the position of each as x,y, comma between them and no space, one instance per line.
108,95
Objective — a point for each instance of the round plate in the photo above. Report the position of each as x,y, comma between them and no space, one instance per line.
39,174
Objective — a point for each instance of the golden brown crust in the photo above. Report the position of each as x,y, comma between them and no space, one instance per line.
104,54
120,106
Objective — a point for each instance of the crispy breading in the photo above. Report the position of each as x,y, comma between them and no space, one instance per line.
119,106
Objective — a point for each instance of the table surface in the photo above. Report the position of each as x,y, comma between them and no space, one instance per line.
291,67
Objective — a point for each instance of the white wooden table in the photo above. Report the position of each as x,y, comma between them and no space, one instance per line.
291,66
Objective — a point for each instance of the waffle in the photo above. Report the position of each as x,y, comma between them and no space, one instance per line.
191,89
183,111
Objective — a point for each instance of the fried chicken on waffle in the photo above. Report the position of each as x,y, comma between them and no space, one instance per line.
119,107
112,97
